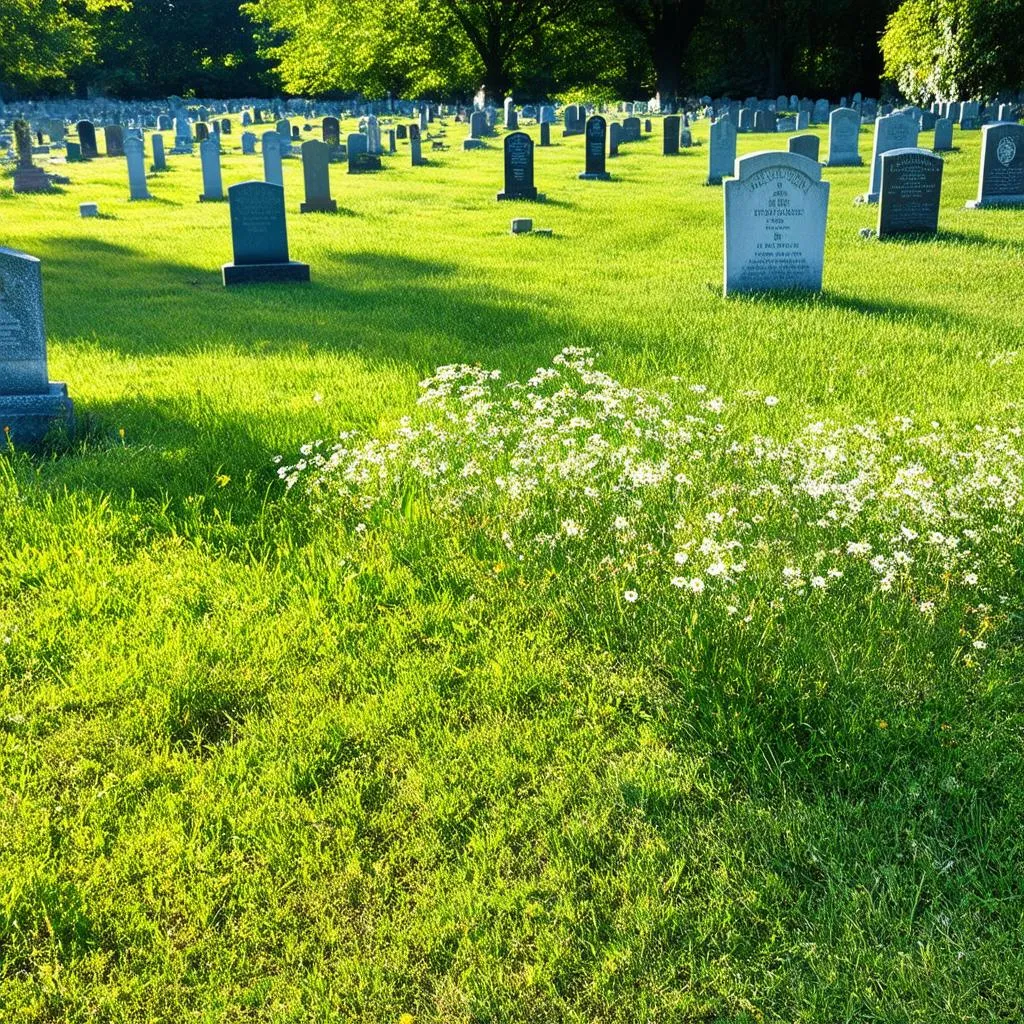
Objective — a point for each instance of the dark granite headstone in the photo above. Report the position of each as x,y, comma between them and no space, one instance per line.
518,167
805,145
670,145
259,236
1001,181
316,175
594,146
114,138
911,188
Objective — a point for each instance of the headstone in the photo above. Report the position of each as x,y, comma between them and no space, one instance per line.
909,197
820,112
545,133
892,131
614,138
670,142
202,131
594,147
284,128
164,122
225,126
316,159
943,135
763,122
521,225
273,167
330,129
159,159
844,138
88,209
1001,176
775,213
360,159
1007,112
631,129
248,143
30,404
73,154
209,155
136,158
27,177
114,140
415,147
402,132
259,236
477,129
518,167
722,150
805,145
746,120
547,115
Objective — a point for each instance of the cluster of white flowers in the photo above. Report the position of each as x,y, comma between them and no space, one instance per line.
573,471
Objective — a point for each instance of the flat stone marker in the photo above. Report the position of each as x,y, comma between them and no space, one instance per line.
1001,177
518,168
29,403
911,189
722,150
844,138
521,225
89,209
259,237
805,145
273,166
775,212
892,131
213,186
136,159
594,148
316,161
360,159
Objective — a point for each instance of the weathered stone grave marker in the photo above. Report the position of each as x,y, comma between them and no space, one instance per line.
259,237
910,193
518,167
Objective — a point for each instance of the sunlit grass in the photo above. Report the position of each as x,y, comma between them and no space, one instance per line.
257,763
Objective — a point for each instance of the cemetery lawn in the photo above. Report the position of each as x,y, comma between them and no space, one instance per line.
259,765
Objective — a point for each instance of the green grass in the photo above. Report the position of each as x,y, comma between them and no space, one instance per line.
254,768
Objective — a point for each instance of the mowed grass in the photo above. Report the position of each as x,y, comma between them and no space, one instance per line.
253,771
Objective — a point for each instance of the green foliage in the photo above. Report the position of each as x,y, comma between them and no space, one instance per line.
955,48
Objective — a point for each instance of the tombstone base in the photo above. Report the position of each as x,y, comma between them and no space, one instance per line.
844,163
264,273
993,201
473,144
319,206
31,179
533,196
868,197
31,417
595,177
714,181
568,134
204,198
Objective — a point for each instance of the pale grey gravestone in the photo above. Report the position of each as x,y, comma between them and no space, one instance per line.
892,131
316,160
547,115
373,146
911,189
519,168
1001,175
805,145
722,150
113,138
803,120
87,139
248,143
631,129
521,225
415,147
424,118
614,138
273,168
30,405
953,112
259,237
136,159
88,209
1007,112
508,110
746,120
545,133
27,177
844,138
775,212
159,158
685,138
670,141
209,156
594,149
477,128
182,136
284,128
943,135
